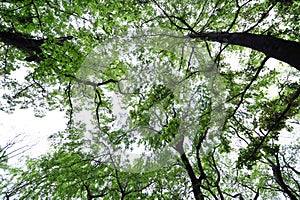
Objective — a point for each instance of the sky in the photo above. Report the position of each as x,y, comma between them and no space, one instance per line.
33,131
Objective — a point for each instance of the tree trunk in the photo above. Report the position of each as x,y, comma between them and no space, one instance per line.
28,44
195,181
23,42
283,50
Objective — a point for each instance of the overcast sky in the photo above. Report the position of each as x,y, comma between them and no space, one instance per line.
33,130
37,130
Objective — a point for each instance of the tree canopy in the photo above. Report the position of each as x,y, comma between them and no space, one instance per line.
210,88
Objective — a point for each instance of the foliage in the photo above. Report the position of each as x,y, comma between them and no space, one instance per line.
247,156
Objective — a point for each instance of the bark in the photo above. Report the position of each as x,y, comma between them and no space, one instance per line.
29,45
195,181
283,50
279,179
23,42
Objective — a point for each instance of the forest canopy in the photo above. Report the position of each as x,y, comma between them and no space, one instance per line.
164,99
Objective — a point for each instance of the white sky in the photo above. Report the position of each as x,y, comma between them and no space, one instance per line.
33,130
37,130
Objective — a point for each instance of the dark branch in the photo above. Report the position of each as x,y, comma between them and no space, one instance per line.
283,50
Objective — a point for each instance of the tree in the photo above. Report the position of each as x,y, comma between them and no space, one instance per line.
271,46
10,150
51,40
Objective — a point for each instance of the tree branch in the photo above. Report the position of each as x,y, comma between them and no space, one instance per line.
283,50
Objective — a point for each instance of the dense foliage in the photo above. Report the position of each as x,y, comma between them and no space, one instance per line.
253,46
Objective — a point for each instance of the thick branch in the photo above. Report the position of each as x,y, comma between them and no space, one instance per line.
279,179
195,181
25,43
283,50
28,44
